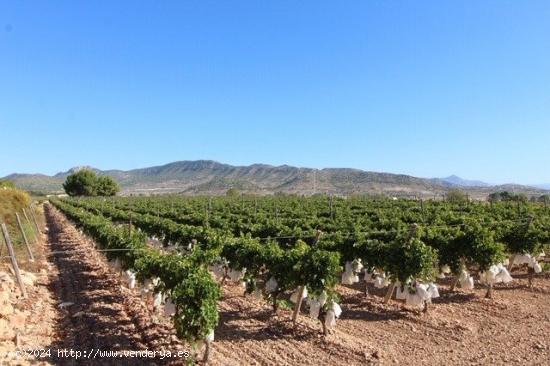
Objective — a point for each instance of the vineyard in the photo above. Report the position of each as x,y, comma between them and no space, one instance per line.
304,257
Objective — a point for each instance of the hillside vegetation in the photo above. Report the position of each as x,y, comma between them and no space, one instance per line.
210,177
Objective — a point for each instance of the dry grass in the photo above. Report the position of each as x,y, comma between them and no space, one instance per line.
12,201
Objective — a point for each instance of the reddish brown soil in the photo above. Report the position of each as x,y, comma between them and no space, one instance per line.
105,315
460,328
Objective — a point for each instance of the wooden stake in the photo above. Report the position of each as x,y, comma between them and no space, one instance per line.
511,262
455,282
530,272
298,304
489,294
390,292
31,257
35,222
37,236
13,260
206,353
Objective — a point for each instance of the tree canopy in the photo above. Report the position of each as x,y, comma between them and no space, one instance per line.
86,182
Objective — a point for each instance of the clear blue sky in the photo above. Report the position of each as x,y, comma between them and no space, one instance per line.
427,88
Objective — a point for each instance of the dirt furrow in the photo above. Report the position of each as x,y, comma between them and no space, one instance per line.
97,312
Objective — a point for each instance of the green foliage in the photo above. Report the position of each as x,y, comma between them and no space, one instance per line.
106,186
85,182
197,311
190,286
81,183
506,196
276,237
469,244
480,246
411,260
4,183
456,196
527,237
232,192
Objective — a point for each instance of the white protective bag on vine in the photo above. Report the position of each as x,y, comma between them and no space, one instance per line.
520,259
337,309
271,285
148,286
433,290
503,274
314,308
489,277
347,278
422,291
414,300
295,295
130,278
236,275
466,281
218,271
380,281
370,277
210,337
357,266
330,319
401,294
169,308
157,300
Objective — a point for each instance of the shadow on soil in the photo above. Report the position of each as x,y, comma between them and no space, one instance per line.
84,327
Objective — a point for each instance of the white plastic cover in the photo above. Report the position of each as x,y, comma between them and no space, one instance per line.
271,285
169,307
330,319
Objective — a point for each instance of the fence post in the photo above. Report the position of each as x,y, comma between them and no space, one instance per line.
35,222
298,304
31,257
14,260
36,237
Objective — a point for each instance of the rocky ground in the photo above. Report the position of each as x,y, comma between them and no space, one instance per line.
460,328
77,302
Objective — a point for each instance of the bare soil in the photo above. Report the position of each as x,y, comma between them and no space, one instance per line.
460,328
100,313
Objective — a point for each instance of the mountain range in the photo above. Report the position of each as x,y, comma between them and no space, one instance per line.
210,177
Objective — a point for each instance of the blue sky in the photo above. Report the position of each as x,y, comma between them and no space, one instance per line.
428,88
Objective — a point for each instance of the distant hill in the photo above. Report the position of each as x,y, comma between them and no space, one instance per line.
457,181
210,177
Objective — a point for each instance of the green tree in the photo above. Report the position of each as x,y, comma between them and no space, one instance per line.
545,198
232,192
81,183
456,196
106,186
495,197
85,182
